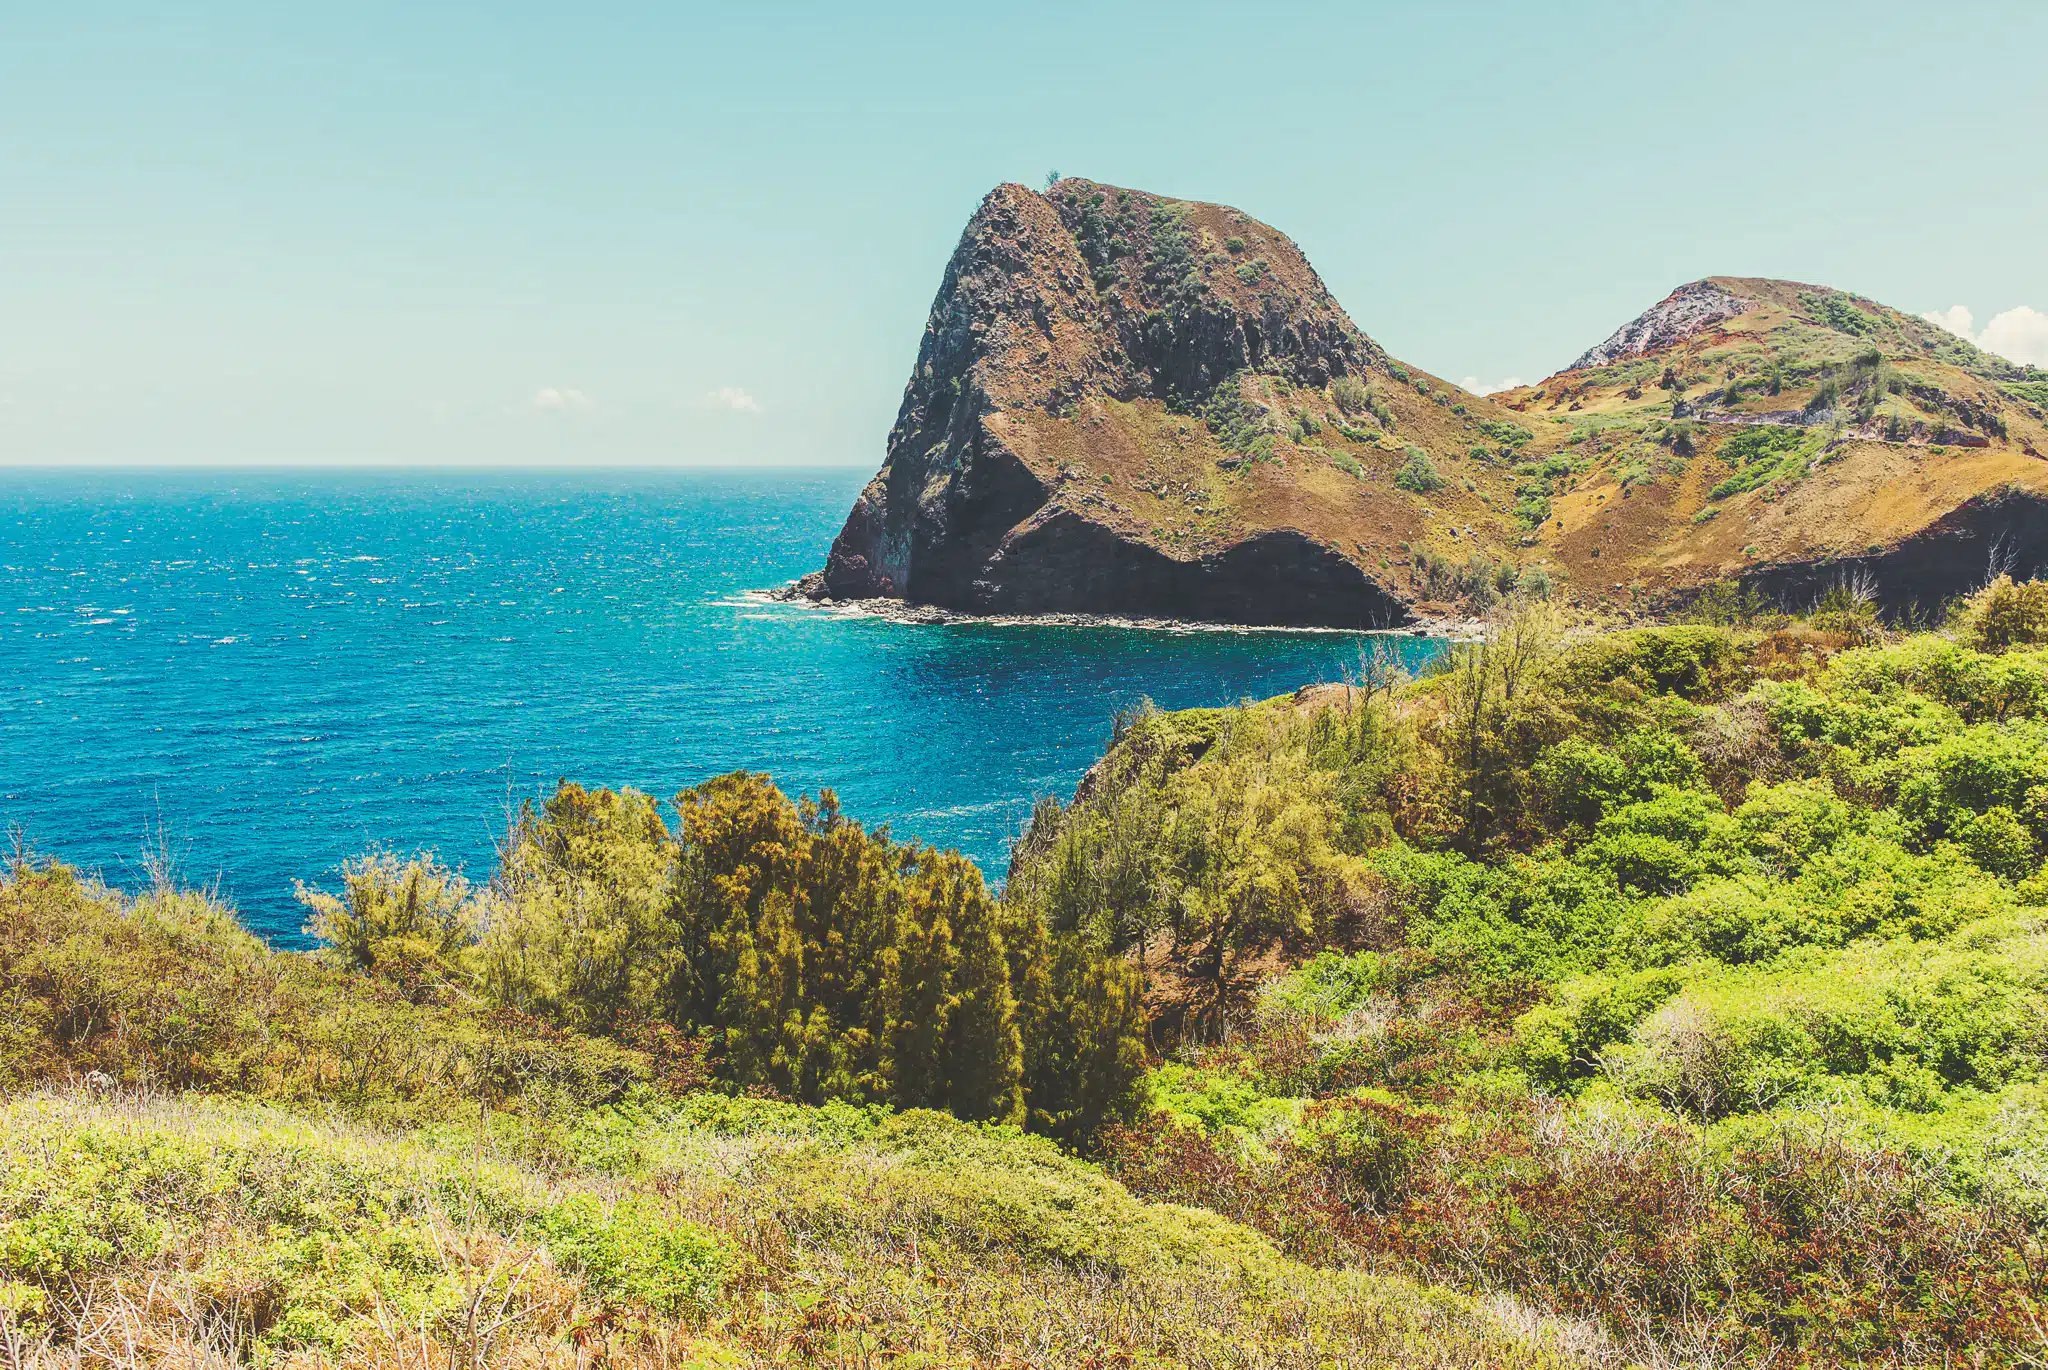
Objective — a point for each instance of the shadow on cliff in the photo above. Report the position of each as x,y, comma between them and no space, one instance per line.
1281,577
2004,532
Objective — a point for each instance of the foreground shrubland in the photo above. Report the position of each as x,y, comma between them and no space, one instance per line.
213,1153
1691,978
710,1231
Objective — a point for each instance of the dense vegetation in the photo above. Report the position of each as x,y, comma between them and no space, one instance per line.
213,1153
1671,996
1691,978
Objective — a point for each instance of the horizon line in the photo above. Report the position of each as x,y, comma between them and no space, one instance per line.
75,466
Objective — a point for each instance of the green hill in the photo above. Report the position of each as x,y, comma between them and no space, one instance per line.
1655,975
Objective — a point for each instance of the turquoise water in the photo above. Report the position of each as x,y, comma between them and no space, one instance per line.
278,670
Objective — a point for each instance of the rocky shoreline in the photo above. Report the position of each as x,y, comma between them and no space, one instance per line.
808,592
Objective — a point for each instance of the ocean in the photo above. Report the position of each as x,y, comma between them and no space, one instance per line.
262,673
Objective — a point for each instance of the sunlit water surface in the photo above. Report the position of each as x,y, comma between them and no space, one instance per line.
281,669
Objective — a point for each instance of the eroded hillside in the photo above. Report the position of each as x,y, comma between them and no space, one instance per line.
1130,404
1790,437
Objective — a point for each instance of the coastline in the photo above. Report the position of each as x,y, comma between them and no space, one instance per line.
931,615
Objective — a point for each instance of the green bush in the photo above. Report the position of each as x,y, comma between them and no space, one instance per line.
168,990
2004,615
635,1251
1418,474
1351,396
408,920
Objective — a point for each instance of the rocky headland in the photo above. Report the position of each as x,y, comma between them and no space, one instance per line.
1134,406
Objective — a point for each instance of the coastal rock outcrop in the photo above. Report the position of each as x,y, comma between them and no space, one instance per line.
1112,412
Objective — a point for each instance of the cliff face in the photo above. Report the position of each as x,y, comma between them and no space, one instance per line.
1106,416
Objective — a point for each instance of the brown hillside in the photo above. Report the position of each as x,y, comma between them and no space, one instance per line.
1130,404
1790,437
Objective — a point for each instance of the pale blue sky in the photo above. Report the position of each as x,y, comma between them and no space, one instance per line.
503,233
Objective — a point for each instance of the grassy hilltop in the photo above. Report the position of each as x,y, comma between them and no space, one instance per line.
1674,996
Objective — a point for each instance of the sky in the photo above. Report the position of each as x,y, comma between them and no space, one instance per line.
606,234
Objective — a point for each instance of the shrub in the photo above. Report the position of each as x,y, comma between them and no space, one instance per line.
1351,395
1835,310
1576,780
410,920
635,1251
1760,443
1418,474
1239,425
2006,614
1694,662
168,990
576,916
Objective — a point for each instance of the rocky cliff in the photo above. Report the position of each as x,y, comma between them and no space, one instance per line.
1678,316
1128,404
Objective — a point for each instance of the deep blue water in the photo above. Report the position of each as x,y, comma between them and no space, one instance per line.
282,669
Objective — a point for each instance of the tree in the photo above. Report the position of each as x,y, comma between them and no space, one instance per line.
1081,1016
806,955
575,920
1493,720
826,961
409,920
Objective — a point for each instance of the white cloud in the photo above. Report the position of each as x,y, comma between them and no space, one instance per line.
732,397
2019,334
1479,387
560,398
1957,319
